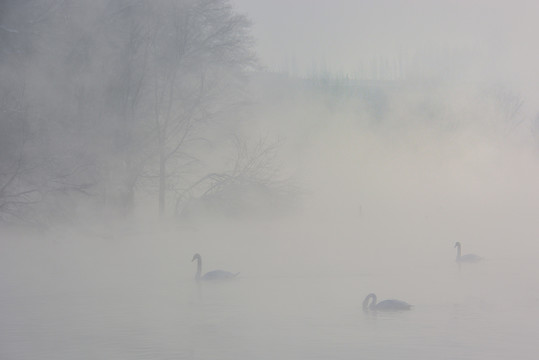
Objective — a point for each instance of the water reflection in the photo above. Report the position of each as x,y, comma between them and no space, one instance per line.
465,316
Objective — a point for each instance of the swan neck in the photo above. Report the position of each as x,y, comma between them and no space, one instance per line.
458,252
199,268
366,305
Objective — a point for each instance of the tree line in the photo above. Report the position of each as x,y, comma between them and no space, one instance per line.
103,99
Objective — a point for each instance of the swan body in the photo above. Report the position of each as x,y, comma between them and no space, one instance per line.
468,258
384,305
214,275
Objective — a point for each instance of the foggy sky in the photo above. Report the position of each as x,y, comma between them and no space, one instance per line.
488,39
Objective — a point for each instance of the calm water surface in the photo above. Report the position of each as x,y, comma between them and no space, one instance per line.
73,309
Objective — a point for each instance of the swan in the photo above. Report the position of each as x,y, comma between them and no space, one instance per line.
465,258
385,305
214,275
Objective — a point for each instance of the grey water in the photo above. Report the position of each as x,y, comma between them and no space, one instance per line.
81,303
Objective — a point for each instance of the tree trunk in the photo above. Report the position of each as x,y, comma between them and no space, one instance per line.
162,182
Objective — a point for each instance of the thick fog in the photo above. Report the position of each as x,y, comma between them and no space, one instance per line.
318,151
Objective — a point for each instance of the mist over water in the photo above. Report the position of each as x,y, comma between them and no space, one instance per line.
388,169
133,299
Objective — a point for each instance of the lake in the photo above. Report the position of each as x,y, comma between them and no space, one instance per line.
87,304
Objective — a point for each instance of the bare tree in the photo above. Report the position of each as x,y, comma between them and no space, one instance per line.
117,91
253,183
198,53
28,173
16,194
508,104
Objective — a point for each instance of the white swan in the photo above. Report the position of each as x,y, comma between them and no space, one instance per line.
465,258
385,305
214,275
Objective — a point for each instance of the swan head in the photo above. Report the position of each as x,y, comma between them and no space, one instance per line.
366,305
457,244
196,257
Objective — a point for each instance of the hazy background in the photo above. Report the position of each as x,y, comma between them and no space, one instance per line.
333,150
475,40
